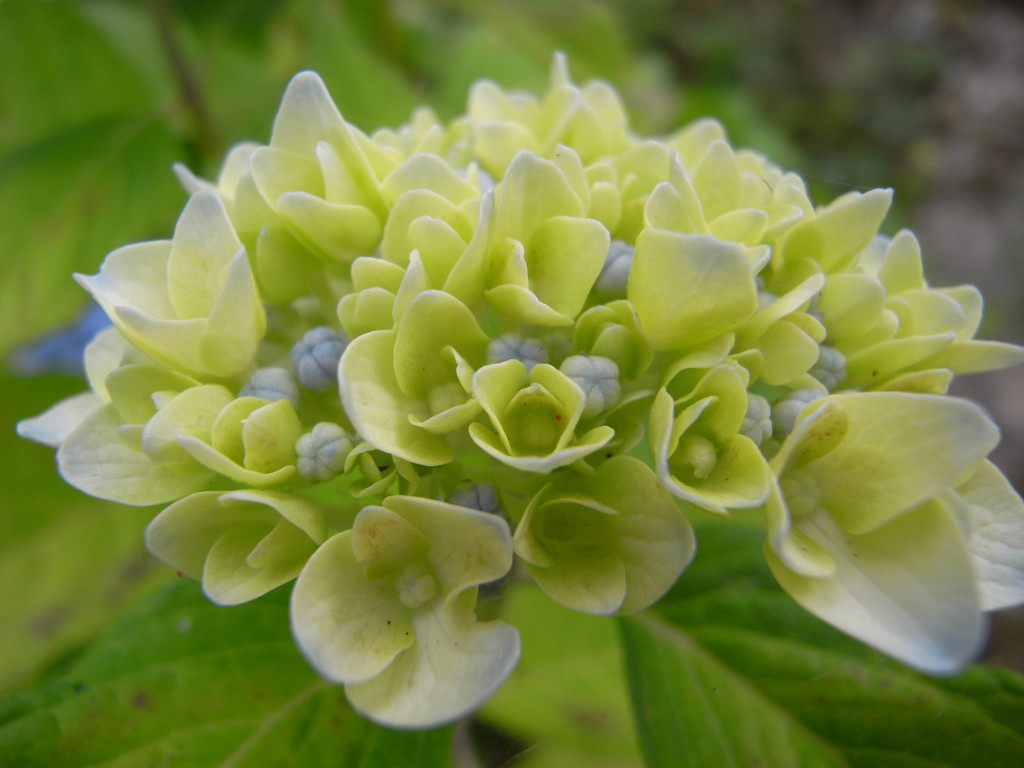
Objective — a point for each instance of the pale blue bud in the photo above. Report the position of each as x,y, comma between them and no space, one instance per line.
786,410
512,346
272,384
615,273
322,452
830,369
482,496
598,377
757,423
315,358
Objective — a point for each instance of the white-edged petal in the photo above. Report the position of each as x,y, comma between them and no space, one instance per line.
52,426
907,588
994,518
454,666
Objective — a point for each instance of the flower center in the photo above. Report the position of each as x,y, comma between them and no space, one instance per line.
415,585
697,455
801,492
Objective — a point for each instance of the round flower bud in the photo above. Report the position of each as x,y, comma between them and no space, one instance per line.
272,384
323,451
801,491
615,273
757,423
482,496
315,358
785,411
598,377
512,346
830,368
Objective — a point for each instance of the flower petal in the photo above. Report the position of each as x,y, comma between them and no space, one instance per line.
350,628
995,536
906,588
95,460
454,666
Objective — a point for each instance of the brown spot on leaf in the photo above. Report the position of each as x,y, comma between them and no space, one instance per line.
49,621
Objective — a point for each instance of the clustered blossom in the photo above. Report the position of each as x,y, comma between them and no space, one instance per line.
388,366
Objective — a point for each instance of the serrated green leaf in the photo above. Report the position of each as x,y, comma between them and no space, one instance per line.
184,683
730,672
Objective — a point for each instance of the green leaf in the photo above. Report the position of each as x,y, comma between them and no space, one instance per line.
730,672
181,682
566,700
56,71
68,563
70,199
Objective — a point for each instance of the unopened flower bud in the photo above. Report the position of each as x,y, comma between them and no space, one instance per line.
482,496
322,452
272,384
598,377
830,369
785,411
512,346
757,423
315,358
615,273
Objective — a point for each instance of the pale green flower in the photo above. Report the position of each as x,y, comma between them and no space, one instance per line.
499,311
591,119
189,303
547,253
859,533
104,354
533,417
405,389
700,453
992,514
687,289
251,441
611,543
124,452
387,609
240,544
780,342
322,176
613,331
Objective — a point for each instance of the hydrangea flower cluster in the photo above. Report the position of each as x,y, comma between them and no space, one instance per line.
390,366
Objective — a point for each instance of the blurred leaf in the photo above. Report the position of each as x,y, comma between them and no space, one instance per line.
244,21
129,29
590,34
368,89
566,697
743,119
731,672
181,682
70,199
56,71
68,563
483,52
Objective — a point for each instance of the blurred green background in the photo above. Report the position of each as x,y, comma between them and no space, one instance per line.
99,97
